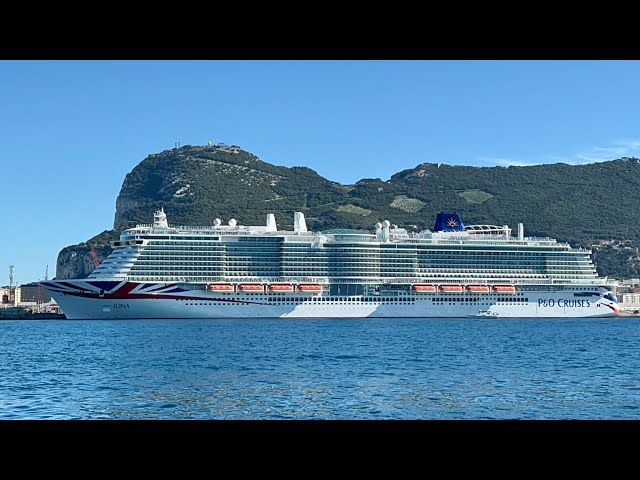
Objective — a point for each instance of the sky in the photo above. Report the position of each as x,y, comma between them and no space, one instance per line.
71,130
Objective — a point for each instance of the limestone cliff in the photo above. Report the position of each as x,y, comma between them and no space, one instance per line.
77,261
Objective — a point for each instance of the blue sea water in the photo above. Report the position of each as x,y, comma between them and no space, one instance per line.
321,369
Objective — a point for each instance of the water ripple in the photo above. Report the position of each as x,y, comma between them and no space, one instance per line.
320,369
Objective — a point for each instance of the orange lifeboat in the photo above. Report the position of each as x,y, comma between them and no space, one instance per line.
451,288
478,288
252,287
221,287
281,287
504,288
425,288
310,287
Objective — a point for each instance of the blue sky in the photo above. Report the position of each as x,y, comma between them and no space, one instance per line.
71,130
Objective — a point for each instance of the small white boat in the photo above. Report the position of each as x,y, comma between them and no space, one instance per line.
484,314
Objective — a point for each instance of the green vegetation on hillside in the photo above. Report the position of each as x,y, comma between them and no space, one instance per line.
353,209
475,196
407,204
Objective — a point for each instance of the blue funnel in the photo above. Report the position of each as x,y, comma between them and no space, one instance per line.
448,222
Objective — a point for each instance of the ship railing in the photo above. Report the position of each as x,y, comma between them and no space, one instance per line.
176,228
366,280
492,242
466,281
245,279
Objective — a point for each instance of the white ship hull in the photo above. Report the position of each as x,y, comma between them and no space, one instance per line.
80,300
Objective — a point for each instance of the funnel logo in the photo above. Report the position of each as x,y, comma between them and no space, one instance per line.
452,222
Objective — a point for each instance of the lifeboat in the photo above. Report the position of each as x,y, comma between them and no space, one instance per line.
310,287
281,287
425,288
221,287
478,288
251,287
451,288
504,288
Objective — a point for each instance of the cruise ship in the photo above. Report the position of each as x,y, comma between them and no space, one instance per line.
235,271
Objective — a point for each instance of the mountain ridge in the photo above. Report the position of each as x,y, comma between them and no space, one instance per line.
590,205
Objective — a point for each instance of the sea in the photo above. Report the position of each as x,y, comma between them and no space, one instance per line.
320,369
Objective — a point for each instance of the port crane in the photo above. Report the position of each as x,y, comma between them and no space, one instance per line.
96,262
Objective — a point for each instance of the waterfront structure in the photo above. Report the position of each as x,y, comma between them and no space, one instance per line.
630,302
5,294
235,271
32,292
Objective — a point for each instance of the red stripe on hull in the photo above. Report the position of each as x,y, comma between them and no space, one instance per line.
150,296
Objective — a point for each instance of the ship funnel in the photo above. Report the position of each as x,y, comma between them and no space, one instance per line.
385,230
448,222
271,223
520,231
160,219
299,224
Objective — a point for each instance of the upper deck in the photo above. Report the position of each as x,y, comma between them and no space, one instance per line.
484,235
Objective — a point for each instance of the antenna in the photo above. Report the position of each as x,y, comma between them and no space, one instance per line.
39,297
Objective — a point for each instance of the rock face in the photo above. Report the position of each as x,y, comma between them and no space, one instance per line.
594,205
124,207
197,184
77,262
